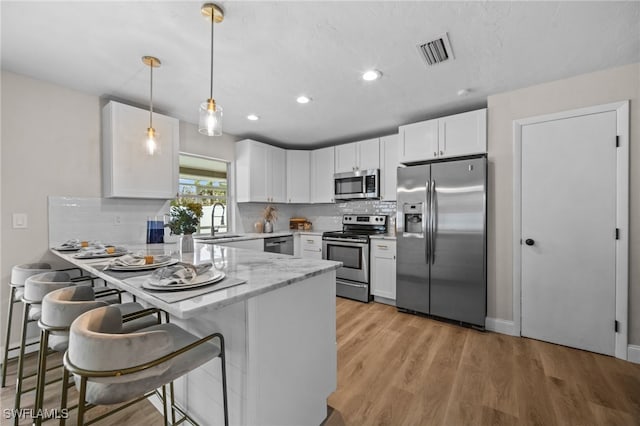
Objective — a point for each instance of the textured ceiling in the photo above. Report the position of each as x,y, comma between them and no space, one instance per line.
267,53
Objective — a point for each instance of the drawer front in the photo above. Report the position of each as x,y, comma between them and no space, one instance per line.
384,249
311,242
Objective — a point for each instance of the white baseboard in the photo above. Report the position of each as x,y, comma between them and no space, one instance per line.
384,300
500,326
633,354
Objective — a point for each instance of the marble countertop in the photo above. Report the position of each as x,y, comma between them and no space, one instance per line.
262,271
253,236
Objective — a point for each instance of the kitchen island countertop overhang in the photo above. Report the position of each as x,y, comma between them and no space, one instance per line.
263,272
279,328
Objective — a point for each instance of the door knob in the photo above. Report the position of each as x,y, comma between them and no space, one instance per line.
529,242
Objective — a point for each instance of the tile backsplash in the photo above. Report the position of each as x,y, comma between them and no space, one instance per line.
103,219
322,216
125,220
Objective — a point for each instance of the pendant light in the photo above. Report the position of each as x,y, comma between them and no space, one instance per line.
210,122
151,143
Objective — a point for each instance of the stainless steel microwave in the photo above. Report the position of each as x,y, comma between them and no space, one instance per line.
360,184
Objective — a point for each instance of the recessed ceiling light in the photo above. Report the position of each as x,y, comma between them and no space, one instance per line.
371,75
463,92
303,99
252,117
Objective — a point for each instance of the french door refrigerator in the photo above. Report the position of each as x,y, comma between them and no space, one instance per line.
441,240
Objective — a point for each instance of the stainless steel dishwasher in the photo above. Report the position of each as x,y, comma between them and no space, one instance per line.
283,245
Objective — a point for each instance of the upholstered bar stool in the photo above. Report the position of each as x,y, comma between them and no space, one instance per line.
59,309
19,275
35,288
112,368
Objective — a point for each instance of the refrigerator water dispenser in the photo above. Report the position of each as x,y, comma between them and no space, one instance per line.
413,225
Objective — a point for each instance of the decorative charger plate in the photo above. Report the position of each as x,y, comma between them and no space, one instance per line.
142,267
208,278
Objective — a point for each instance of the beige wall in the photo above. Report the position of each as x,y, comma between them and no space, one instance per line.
51,146
602,87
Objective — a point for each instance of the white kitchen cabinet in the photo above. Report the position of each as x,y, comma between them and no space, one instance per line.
322,170
260,172
361,155
298,176
128,171
383,268
389,165
311,246
462,134
445,137
418,141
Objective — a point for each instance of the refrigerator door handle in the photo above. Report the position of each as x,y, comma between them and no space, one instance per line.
426,230
432,220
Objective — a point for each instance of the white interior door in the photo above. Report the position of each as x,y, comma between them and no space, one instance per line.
568,262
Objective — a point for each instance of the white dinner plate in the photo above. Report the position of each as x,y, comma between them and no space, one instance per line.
99,256
142,267
208,278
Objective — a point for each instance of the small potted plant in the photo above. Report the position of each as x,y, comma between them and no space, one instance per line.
270,215
184,220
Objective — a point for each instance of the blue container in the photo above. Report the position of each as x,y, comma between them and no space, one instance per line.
155,231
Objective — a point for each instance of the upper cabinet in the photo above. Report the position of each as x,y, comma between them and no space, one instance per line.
389,167
452,136
322,170
128,171
260,172
298,186
361,155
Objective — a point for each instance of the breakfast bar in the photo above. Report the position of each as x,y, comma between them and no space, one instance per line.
279,326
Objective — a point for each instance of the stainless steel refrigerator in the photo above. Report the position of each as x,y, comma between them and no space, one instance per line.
441,239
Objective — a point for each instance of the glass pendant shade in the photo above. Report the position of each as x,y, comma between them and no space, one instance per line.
152,144
210,122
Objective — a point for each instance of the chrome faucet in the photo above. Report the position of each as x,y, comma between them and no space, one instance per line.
213,216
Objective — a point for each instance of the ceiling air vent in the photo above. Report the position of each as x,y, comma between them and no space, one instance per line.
436,51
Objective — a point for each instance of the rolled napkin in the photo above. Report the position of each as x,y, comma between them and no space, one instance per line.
136,260
179,274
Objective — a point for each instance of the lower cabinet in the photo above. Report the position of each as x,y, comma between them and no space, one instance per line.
311,246
383,269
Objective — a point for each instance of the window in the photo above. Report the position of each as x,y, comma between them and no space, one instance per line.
204,180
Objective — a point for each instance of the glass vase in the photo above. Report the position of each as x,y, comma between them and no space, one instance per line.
186,243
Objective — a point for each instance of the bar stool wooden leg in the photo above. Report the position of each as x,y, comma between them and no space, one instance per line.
25,321
7,339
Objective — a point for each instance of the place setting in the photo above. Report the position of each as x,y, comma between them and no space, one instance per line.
99,251
182,281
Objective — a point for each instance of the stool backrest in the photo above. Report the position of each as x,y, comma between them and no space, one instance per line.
62,306
38,286
96,343
20,273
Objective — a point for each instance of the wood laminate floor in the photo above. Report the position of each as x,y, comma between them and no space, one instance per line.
400,369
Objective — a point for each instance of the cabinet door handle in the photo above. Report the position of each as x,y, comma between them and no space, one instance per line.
310,241
441,152
435,154
382,247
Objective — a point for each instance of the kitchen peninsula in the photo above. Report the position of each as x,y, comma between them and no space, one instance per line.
279,328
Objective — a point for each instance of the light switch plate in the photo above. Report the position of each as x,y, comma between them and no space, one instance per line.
19,220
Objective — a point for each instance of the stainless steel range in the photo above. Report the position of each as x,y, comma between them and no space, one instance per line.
351,247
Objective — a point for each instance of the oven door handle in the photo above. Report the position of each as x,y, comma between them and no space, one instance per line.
339,242
352,284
